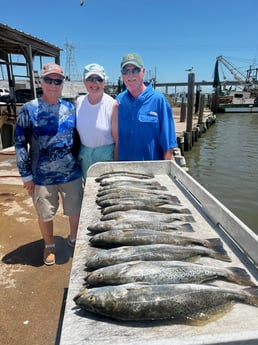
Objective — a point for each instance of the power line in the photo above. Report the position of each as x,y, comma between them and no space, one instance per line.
71,71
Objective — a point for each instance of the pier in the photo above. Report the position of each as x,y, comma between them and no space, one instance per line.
33,303
34,295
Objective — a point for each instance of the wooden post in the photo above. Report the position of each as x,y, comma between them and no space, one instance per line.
188,141
200,118
197,99
183,112
190,102
190,106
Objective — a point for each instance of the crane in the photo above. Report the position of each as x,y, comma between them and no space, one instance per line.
238,75
247,80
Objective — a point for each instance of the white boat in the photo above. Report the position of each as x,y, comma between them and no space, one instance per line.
238,102
229,101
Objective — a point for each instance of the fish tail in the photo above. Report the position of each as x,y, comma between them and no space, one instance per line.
240,276
219,253
163,188
187,219
186,227
252,295
213,243
181,210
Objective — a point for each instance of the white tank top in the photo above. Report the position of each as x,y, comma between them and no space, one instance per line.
94,121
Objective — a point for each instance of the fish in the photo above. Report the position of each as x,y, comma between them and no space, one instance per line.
111,199
151,252
137,175
103,226
147,215
128,179
165,272
179,302
136,237
141,205
131,201
154,185
122,188
135,188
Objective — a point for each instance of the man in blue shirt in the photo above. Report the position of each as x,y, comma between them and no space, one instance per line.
142,121
44,154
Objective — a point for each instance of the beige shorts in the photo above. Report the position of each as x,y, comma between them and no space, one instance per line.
46,199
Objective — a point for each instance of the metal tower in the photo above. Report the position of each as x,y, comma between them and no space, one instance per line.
71,72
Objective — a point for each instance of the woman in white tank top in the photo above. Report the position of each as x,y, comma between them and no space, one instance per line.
93,116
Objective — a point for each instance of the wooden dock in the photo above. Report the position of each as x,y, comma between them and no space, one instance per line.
199,125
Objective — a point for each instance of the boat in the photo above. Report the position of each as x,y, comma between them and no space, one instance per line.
238,102
244,98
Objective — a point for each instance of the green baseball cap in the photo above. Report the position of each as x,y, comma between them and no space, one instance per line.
132,58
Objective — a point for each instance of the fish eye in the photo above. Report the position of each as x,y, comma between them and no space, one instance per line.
99,276
91,299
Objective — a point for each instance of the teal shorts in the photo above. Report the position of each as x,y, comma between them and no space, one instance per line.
88,156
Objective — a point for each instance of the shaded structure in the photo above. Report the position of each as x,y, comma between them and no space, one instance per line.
14,43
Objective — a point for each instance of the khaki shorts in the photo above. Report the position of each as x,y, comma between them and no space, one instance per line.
46,199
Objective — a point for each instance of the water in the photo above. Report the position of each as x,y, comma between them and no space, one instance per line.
225,161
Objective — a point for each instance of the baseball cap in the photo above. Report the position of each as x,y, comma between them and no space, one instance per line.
50,68
132,58
94,68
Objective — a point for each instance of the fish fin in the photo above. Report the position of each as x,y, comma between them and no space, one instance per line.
219,253
240,276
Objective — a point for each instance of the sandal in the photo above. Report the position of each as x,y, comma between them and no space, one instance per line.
71,242
49,257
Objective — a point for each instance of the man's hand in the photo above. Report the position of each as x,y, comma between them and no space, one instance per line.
29,186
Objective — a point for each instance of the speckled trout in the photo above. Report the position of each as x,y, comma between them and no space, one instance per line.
165,272
136,237
155,186
180,302
153,252
142,205
158,226
147,215
115,180
129,189
128,199
137,175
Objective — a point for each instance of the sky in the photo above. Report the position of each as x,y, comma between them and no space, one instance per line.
170,35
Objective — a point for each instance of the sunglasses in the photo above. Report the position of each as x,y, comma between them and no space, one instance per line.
48,80
126,71
95,79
